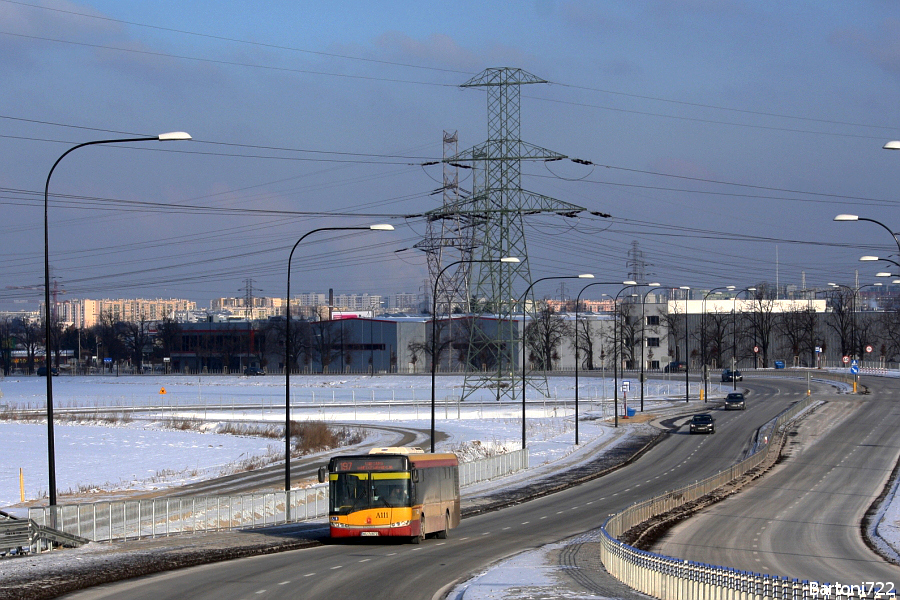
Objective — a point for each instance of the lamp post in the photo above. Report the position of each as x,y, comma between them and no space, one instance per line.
51,452
505,259
704,371
643,323
687,387
288,350
858,218
874,258
616,353
577,359
522,349
734,334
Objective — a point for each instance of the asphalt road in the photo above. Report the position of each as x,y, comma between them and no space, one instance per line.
392,570
801,520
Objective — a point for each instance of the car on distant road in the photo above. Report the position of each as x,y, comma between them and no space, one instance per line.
676,367
735,401
42,371
729,375
254,371
703,423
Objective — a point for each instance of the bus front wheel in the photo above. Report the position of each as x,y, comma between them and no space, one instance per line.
421,536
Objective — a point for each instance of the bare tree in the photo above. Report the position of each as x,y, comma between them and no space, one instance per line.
135,336
168,336
29,334
675,322
798,329
841,318
452,343
6,345
327,343
715,335
543,336
629,338
585,342
890,328
761,320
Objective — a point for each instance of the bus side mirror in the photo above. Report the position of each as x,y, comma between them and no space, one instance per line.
322,471
415,475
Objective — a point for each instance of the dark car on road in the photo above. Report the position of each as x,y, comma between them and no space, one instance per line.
735,401
729,375
676,367
703,423
42,371
254,371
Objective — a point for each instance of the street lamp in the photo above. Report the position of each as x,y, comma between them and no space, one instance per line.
51,452
643,323
522,349
704,371
877,258
505,259
858,218
616,353
288,349
577,359
687,364
734,334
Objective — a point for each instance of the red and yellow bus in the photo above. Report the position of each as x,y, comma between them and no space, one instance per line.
393,492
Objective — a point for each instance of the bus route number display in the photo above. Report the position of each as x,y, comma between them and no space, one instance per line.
394,463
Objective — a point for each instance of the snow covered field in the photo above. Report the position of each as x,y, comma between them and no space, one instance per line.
139,454
137,451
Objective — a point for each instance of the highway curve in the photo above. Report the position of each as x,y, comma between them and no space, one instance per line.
802,520
394,570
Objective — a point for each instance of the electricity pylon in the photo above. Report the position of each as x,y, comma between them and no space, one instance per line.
496,212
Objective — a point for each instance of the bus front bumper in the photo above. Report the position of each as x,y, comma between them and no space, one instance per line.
342,530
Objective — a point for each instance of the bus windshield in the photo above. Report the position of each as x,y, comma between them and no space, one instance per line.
358,491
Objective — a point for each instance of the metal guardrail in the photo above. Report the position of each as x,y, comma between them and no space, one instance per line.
124,520
18,535
672,578
15,534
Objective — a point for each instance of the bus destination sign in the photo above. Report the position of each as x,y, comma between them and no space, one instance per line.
369,463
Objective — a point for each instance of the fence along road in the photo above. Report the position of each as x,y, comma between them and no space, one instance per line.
419,572
802,520
133,519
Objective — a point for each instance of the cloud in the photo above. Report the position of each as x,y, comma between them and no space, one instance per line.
881,47
443,51
59,20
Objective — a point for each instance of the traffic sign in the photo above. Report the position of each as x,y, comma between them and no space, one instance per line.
846,359
854,369
756,348
869,348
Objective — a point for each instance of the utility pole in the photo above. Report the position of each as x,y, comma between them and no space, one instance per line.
496,211
248,311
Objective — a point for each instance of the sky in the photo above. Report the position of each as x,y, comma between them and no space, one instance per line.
722,137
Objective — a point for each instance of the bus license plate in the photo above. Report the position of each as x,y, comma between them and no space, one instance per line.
368,533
